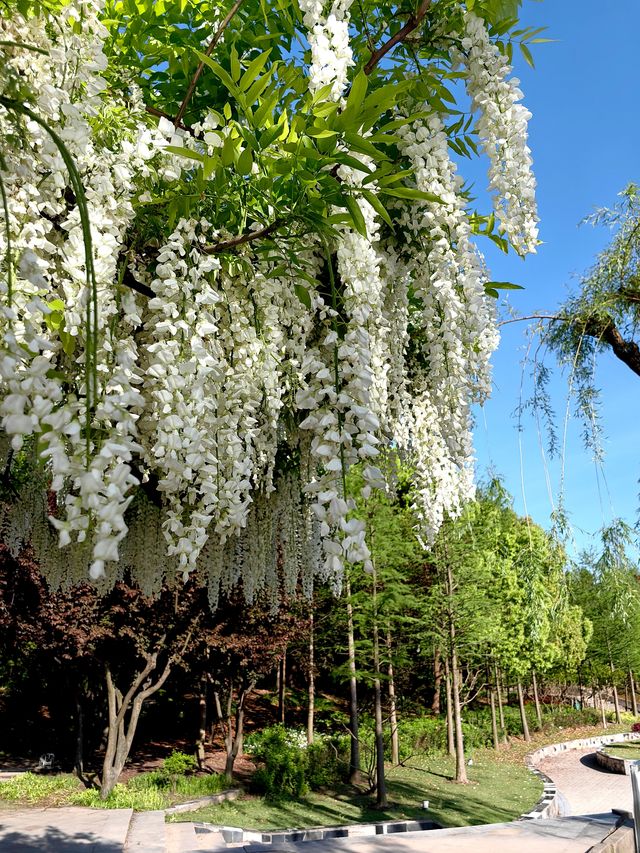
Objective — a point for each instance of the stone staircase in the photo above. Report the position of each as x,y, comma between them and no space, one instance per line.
149,833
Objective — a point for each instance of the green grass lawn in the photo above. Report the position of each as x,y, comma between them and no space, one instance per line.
496,792
500,789
630,751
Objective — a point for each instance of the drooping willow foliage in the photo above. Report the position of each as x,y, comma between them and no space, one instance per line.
237,258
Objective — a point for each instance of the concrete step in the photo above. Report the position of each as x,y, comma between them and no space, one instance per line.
182,838
146,833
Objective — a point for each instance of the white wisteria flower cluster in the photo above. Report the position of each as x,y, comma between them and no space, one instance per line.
210,428
503,128
328,36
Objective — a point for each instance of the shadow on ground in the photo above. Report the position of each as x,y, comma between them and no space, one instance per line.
591,762
52,840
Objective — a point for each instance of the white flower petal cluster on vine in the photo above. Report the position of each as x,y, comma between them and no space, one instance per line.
457,321
503,129
328,36
218,419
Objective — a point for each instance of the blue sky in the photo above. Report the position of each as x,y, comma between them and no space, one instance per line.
585,137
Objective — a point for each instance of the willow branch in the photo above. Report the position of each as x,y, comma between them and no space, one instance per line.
401,35
555,317
209,51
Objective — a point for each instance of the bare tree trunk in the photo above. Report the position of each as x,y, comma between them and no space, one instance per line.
355,776
602,711
202,722
536,699
393,716
494,725
312,682
634,699
282,687
233,734
523,713
381,783
500,708
79,757
451,742
461,767
437,681
616,704
120,729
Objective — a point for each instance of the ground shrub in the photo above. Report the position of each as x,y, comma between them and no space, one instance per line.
327,761
35,788
282,760
122,797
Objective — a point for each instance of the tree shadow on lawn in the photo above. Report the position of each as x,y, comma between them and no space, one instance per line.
55,841
458,800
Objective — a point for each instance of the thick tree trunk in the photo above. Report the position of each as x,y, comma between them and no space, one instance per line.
393,715
634,699
202,722
451,741
355,774
312,683
494,724
534,682
120,729
523,713
437,682
381,782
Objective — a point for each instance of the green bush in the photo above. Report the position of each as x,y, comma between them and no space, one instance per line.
283,763
327,761
179,763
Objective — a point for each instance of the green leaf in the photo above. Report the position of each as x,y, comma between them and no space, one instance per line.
503,285
356,214
185,152
219,71
303,295
322,133
378,206
236,69
245,162
527,54
254,68
407,192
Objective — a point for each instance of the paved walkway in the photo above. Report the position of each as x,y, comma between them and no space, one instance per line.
586,787
66,830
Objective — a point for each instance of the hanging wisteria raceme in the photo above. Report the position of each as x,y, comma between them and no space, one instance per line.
457,328
328,36
503,129
207,423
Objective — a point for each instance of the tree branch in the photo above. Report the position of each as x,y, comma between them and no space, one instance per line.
555,317
627,351
214,41
154,111
402,33
247,237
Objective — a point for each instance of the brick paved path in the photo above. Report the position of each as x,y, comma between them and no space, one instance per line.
587,787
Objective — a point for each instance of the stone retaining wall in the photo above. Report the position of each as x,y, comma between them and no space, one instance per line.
551,803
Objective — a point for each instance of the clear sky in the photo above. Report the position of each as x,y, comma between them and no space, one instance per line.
585,138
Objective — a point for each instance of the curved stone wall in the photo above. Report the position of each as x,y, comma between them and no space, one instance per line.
551,803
